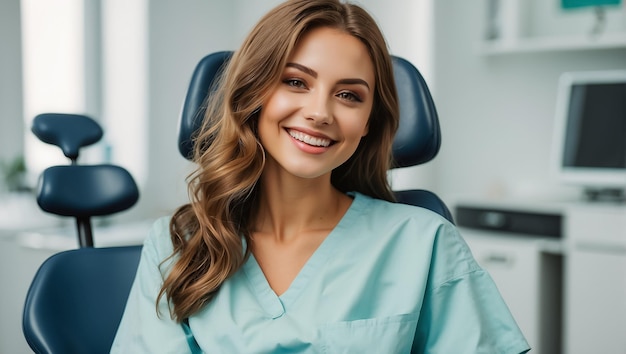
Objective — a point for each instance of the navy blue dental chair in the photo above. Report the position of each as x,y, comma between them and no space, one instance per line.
77,297
417,141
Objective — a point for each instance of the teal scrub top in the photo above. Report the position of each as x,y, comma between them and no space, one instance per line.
389,278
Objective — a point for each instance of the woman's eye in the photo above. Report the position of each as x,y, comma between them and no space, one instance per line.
349,96
295,83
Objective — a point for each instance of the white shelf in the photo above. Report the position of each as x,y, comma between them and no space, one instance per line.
556,43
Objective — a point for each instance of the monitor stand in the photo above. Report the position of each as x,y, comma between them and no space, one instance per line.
605,195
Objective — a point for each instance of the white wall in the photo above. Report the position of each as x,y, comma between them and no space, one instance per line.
180,34
124,84
497,112
11,126
246,15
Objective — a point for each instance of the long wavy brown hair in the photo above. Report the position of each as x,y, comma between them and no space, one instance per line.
208,234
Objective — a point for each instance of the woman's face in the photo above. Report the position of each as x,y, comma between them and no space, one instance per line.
317,114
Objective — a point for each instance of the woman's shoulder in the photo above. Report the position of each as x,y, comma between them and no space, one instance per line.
420,234
383,219
394,211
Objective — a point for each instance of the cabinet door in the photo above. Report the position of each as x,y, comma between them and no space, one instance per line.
514,267
596,300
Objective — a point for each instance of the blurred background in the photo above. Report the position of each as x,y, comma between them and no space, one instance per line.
492,66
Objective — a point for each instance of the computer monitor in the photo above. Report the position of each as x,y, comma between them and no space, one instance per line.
590,132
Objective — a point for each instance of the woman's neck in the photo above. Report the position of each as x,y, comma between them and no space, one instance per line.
290,206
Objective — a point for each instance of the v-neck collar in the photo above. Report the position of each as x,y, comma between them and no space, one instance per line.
275,305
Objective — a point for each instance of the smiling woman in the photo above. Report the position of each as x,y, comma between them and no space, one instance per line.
292,242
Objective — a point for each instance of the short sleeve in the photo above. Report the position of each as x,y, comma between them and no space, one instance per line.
141,329
463,311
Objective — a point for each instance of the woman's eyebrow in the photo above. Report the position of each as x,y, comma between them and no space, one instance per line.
303,68
313,73
354,82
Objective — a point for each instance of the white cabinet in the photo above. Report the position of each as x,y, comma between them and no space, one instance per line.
529,279
567,294
595,320
596,304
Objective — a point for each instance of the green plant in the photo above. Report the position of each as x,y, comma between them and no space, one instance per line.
13,174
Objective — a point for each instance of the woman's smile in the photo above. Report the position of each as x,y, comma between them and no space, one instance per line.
309,139
310,143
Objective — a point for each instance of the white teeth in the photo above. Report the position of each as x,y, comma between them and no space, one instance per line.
311,140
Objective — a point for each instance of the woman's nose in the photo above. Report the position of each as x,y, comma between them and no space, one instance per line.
318,108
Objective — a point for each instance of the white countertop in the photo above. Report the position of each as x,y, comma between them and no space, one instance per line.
19,211
64,238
